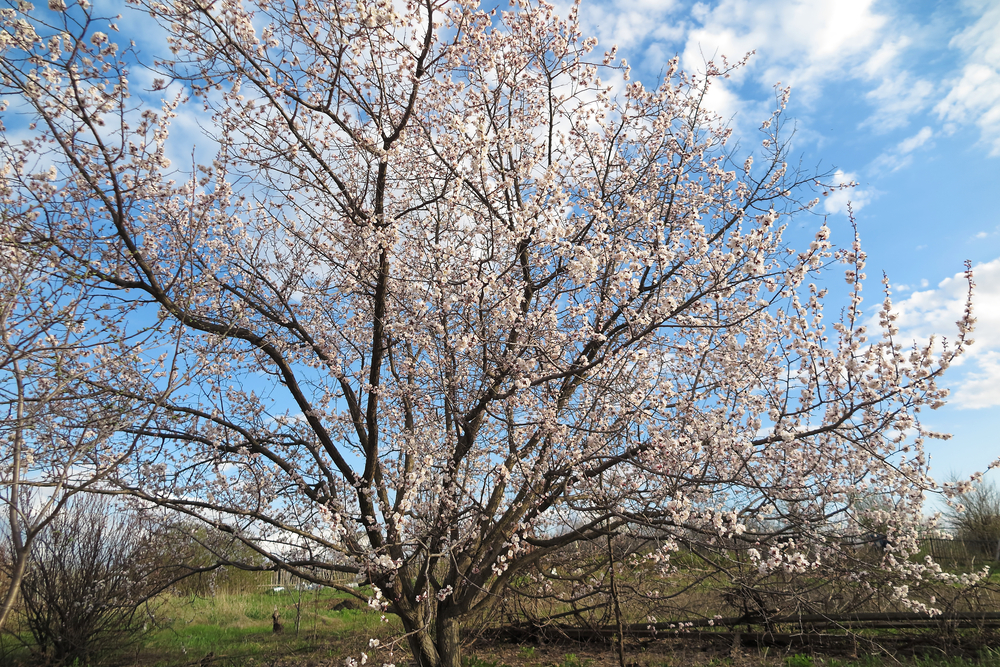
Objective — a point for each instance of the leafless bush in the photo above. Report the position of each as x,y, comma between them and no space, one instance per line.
89,582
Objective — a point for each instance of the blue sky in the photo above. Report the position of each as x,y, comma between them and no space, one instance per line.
904,99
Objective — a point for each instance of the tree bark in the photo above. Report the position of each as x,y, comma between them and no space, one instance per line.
421,641
618,610
449,641
434,639
20,545
20,565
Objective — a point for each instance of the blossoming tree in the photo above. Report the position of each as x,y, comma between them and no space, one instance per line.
452,284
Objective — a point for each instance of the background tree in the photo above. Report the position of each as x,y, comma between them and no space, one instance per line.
974,516
200,559
55,428
444,291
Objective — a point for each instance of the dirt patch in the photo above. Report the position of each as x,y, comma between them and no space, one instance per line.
732,649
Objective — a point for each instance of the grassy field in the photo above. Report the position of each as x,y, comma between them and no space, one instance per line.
235,629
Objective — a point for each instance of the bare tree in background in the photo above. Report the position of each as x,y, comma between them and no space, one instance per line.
974,517
55,338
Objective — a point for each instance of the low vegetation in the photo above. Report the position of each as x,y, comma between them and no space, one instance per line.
236,628
321,627
603,603
104,588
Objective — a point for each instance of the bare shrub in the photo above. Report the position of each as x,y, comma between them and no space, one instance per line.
89,582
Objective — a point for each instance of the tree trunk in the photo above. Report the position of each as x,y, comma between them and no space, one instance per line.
20,565
437,643
440,647
420,637
449,641
618,609
422,646
20,546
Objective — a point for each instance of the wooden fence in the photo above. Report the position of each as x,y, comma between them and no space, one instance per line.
980,551
288,581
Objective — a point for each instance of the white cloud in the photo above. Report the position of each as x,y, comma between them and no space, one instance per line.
802,43
888,53
916,141
723,100
810,44
987,233
885,57
936,311
629,23
898,97
974,95
837,201
981,388
901,155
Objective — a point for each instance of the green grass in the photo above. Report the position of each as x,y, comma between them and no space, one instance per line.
236,629
799,660
475,661
986,658
570,660
239,627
